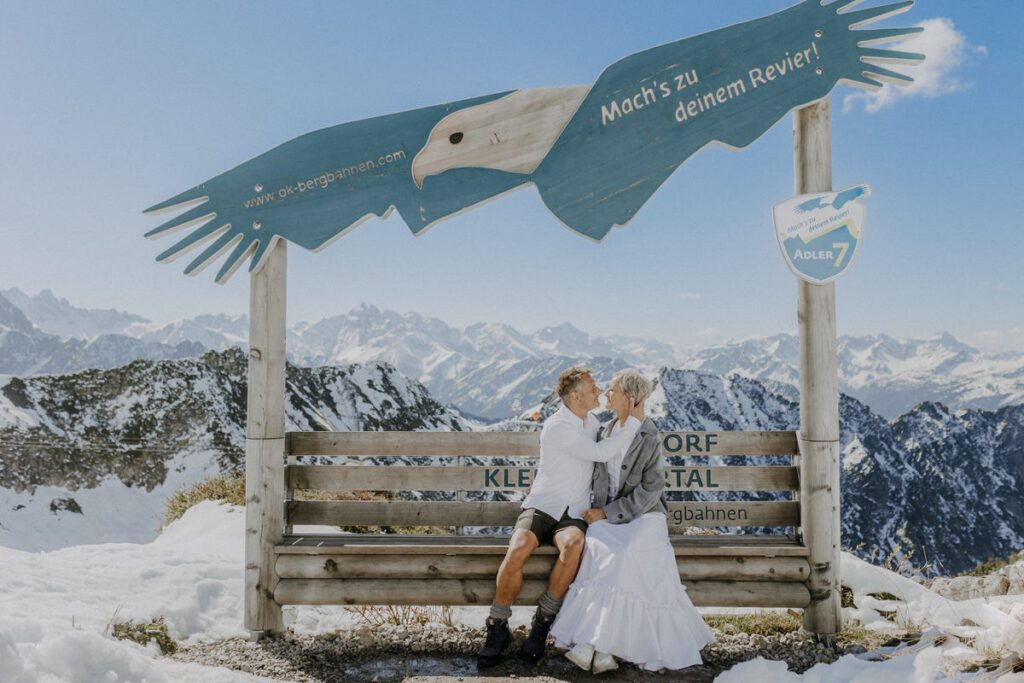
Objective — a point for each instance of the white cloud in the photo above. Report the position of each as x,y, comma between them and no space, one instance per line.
689,296
945,50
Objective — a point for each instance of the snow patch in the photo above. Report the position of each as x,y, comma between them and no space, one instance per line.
56,608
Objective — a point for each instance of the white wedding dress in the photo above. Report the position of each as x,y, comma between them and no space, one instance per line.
627,598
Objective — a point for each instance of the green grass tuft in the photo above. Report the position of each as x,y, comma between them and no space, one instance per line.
143,633
229,489
865,637
779,623
763,623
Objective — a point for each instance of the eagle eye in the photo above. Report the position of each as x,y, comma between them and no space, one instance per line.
455,138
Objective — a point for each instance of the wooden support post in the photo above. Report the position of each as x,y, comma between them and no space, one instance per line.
264,444
819,394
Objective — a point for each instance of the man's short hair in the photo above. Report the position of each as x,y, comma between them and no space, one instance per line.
569,379
633,383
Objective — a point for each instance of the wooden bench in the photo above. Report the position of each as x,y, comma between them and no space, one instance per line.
726,570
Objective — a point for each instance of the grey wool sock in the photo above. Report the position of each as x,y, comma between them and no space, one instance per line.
549,604
503,612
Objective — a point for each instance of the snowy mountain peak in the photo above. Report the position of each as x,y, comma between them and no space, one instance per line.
561,338
890,375
58,316
954,344
12,317
213,331
364,309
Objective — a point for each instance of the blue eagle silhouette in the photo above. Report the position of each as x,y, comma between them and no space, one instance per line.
593,168
842,198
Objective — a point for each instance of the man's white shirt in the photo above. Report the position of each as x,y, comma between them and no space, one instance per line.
568,452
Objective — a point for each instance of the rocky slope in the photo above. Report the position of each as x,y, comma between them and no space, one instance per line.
96,453
938,489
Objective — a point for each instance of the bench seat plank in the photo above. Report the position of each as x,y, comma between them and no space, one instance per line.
342,566
442,591
443,544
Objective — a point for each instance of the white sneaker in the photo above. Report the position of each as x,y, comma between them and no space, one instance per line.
581,655
603,661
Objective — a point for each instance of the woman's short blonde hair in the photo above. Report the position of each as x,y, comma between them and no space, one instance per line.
633,383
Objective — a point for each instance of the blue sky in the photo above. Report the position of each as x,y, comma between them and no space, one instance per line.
110,107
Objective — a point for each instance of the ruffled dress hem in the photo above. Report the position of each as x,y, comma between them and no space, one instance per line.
668,634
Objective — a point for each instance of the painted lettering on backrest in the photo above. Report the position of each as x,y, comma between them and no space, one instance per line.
508,477
689,443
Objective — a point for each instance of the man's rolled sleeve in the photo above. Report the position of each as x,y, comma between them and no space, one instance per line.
576,443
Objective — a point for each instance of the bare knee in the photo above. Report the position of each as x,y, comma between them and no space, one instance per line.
520,547
570,543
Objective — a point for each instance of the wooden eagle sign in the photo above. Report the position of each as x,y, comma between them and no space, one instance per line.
595,153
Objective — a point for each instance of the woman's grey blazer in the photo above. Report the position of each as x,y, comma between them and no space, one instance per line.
641,479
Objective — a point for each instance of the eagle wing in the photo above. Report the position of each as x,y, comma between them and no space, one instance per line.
651,111
313,189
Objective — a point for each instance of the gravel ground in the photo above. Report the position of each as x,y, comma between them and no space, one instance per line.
437,653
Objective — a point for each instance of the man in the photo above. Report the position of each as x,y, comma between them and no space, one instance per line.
553,510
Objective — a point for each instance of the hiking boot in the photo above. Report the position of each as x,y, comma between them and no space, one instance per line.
535,643
498,638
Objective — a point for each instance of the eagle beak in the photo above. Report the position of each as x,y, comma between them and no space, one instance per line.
426,164
417,177
423,167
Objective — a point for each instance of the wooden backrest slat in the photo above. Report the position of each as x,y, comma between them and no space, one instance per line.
521,444
415,513
483,444
509,478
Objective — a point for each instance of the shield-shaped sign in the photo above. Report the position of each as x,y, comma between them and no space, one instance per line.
819,234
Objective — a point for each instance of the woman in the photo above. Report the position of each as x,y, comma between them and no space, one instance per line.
627,600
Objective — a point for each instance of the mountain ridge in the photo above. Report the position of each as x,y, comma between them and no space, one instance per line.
493,370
